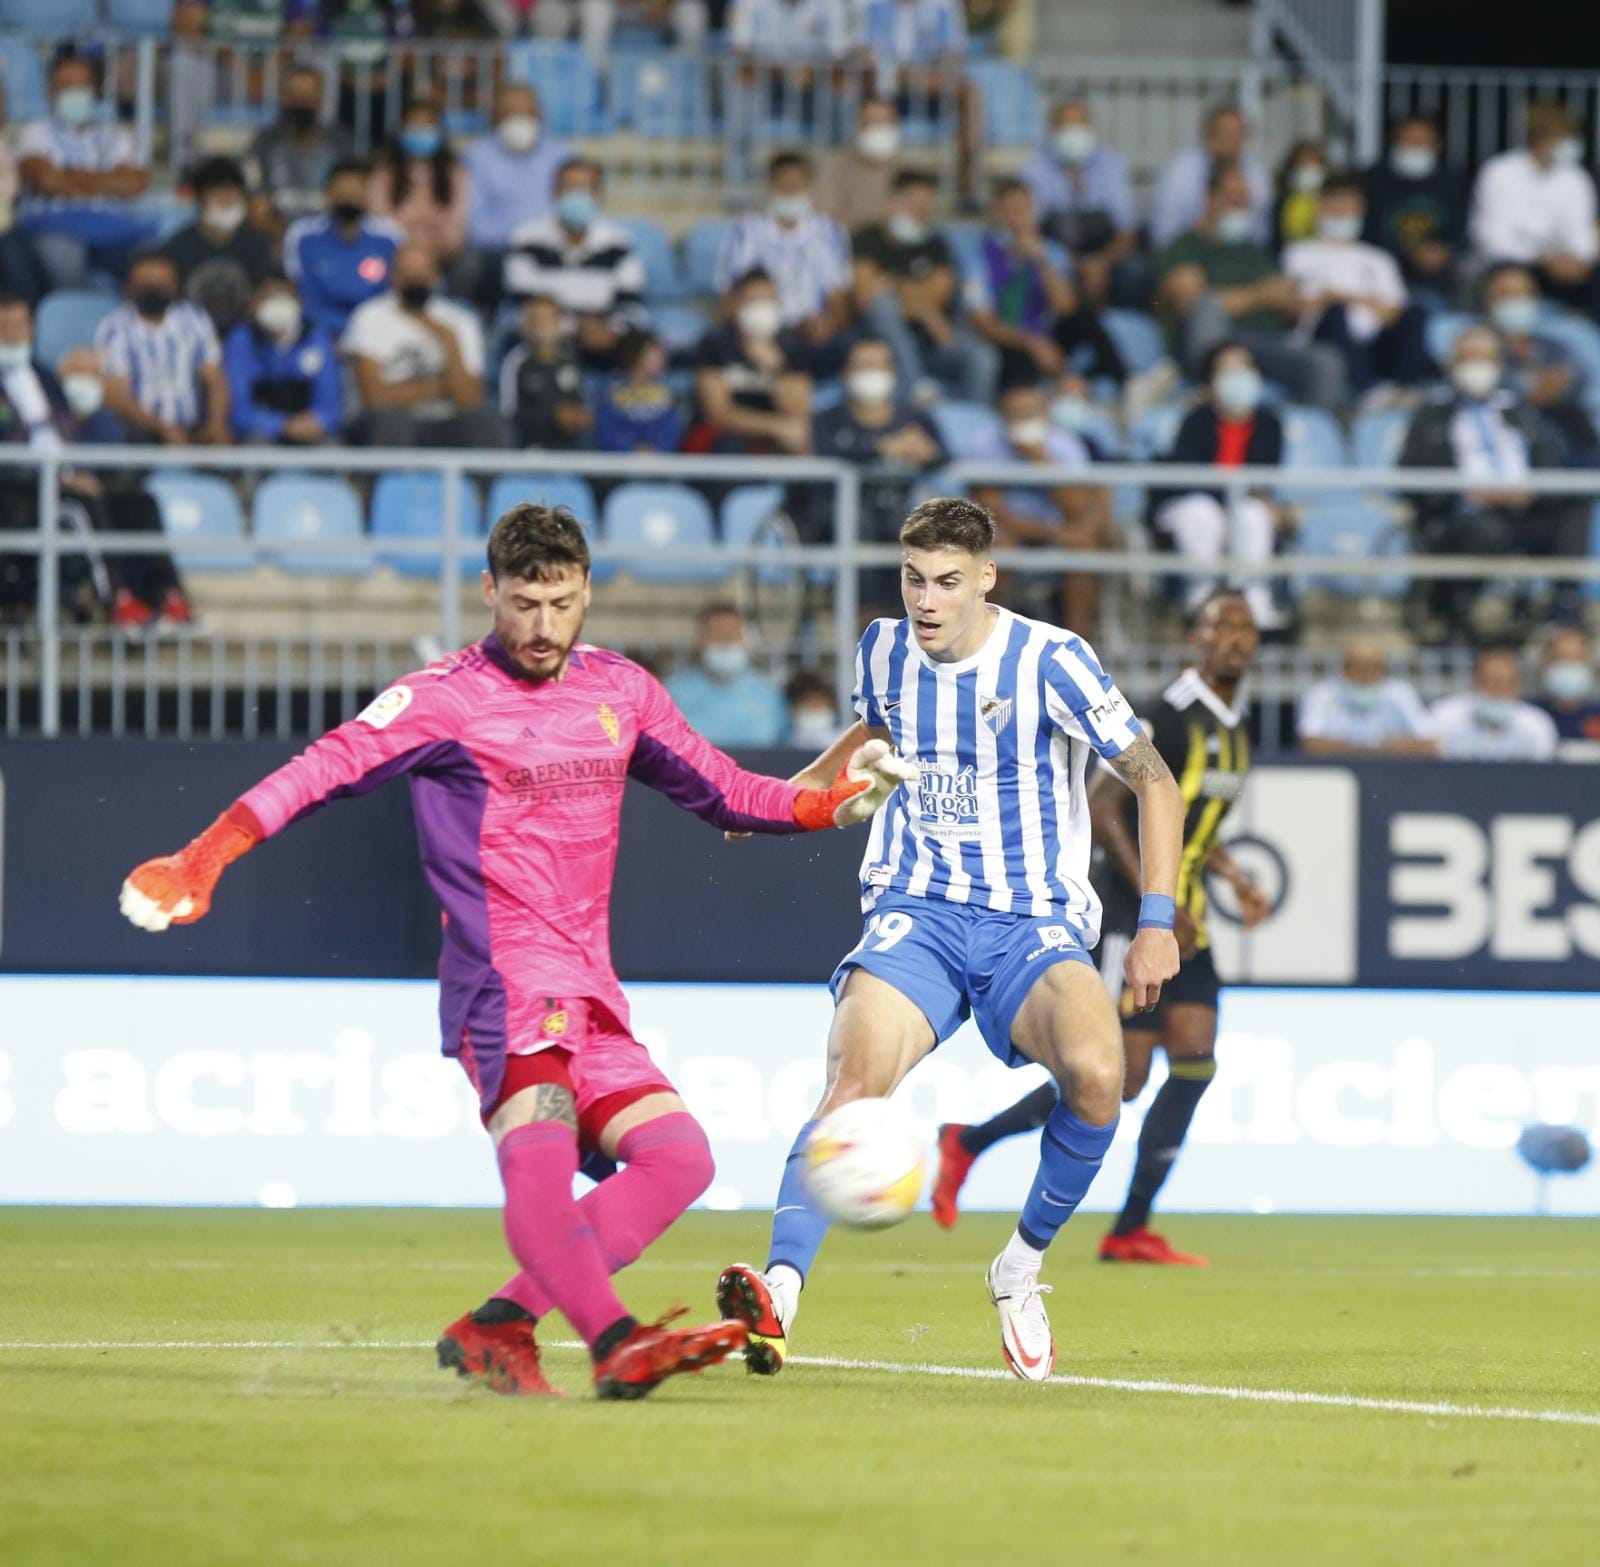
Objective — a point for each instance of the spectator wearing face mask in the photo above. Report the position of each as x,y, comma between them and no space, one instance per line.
813,717
906,292
289,163
420,185
163,363
1219,284
1084,197
283,372
1353,297
1229,428
1057,516
79,173
1567,690
511,177
541,382
1496,440
1417,207
221,257
638,411
1540,369
418,361
344,257
1491,722
807,256
1296,191
720,695
853,182
1536,206
1183,187
1364,711
585,261
752,396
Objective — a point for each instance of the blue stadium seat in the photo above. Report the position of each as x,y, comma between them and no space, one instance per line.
27,96
411,506
1151,435
198,506
67,319
1137,336
965,428
297,506
659,94
663,279
966,240
140,16
701,246
1581,338
662,516
1444,327
165,215
680,326
1376,438
551,489
1012,110
567,83
1312,438
744,511
1104,435
47,16
1357,530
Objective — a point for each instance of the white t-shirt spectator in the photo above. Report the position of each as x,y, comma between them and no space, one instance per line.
405,350
97,149
1521,212
1326,266
1474,728
1369,716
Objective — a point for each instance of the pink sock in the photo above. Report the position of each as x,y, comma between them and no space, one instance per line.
668,1165
548,1232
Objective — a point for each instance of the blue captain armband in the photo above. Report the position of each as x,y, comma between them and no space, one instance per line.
1157,912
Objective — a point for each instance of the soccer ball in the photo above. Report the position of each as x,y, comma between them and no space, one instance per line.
865,1164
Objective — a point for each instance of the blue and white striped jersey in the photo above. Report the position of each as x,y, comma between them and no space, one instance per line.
1000,817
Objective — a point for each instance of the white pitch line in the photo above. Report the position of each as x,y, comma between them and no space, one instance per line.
1247,1395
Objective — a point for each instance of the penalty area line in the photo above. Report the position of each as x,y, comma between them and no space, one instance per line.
903,1368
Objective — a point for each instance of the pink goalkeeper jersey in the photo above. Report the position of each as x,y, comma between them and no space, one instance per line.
517,789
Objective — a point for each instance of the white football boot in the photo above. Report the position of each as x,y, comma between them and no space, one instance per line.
1025,1338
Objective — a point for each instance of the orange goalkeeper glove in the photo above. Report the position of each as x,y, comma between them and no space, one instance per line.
176,890
873,772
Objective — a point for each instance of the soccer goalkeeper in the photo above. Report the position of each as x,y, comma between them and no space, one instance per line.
519,749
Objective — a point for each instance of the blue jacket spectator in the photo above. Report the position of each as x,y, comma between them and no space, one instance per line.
283,372
511,171
345,257
721,695
1182,188
638,411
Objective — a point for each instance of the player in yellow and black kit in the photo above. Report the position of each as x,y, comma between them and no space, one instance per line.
1198,727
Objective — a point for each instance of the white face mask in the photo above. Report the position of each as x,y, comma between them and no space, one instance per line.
1341,230
1515,315
725,660
1238,391
1476,379
279,315
224,216
759,318
13,356
1071,412
1307,177
878,143
1568,680
84,393
1567,153
1414,163
906,230
873,387
1233,226
1075,144
518,132
1027,433
74,106
790,209
813,727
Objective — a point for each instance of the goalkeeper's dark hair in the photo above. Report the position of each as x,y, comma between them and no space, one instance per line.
949,522
536,543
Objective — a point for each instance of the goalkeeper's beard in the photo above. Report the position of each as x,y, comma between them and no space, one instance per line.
537,658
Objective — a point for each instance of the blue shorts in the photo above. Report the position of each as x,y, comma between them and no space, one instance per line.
956,960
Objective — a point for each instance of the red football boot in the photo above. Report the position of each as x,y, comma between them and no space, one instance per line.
503,1355
175,608
652,1352
1144,1245
129,612
954,1162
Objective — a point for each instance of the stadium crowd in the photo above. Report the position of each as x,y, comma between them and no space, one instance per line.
481,292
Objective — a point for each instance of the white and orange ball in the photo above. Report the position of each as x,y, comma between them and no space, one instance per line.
865,1164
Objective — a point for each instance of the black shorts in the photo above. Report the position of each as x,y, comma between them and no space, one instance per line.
1196,985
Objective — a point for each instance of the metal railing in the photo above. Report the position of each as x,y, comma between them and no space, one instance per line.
210,691
1484,112
1340,45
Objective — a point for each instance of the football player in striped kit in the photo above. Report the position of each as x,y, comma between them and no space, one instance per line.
976,895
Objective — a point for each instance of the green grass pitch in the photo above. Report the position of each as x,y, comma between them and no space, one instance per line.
286,1409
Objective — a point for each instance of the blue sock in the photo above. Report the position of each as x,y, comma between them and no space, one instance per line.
797,1226
1069,1157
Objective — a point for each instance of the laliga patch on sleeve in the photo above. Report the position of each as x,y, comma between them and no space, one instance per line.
383,709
